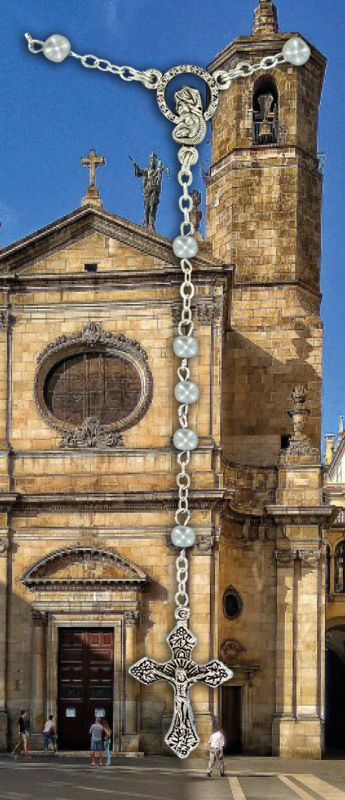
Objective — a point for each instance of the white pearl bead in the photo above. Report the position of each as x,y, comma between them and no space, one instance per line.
185,346
56,48
183,536
185,246
296,51
185,439
187,392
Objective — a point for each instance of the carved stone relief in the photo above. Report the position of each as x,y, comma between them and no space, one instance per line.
231,650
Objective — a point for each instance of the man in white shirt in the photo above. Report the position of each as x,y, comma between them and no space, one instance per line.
216,744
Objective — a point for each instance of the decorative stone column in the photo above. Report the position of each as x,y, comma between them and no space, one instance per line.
3,642
38,677
285,672
130,737
300,642
332,572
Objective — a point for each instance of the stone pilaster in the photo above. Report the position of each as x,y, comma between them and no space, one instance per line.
130,737
3,641
298,720
38,677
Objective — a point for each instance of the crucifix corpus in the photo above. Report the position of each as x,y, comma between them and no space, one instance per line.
190,119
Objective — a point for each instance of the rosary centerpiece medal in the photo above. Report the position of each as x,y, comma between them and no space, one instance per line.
190,124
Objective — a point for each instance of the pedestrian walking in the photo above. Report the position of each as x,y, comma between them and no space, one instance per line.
216,744
23,736
107,742
49,734
96,748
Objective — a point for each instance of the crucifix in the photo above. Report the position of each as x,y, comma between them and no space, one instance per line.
181,672
189,117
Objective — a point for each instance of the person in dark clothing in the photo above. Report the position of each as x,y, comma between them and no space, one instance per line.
23,736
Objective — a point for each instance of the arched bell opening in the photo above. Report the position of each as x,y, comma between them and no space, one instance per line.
265,111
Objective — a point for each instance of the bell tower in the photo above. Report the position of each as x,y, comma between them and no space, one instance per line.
264,216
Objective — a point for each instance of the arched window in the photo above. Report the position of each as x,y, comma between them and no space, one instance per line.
339,567
265,112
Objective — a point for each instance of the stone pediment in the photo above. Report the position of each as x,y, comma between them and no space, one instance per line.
62,248
77,567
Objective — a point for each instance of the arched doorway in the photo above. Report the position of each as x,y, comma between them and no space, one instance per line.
335,689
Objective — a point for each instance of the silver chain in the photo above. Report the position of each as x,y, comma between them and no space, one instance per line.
150,78
223,77
181,596
188,157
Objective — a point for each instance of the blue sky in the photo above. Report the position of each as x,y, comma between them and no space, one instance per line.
52,114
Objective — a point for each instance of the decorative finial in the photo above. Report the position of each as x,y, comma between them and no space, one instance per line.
341,427
265,18
299,444
92,161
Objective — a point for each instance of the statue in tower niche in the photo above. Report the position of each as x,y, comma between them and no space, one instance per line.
152,180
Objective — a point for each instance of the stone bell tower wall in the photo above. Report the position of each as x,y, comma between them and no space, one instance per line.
264,216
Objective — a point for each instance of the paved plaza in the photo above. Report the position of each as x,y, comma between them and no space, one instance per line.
159,778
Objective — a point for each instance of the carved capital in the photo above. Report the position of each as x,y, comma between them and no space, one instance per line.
203,545
205,311
131,617
6,320
308,556
285,556
39,619
4,546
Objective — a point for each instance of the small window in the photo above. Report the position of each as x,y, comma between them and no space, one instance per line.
340,567
232,603
284,441
91,267
265,112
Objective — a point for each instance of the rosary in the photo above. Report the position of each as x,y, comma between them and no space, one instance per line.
190,125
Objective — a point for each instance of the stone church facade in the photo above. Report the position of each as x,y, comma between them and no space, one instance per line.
89,307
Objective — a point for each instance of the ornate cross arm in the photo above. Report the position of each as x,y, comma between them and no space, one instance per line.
181,672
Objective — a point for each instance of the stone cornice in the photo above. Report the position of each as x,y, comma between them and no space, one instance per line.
302,515
124,279
76,225
130,501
